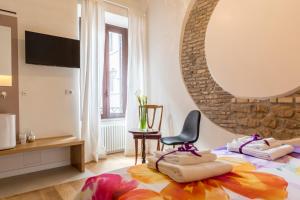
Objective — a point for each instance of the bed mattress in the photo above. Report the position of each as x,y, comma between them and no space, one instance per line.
251,178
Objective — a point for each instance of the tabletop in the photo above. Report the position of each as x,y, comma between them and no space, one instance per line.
140,131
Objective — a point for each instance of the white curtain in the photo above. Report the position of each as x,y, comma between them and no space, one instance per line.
136,71
92,64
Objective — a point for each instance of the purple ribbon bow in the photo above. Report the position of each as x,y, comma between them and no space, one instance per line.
255,137
186,147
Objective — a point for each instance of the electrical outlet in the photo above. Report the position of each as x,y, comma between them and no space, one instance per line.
68,92
24,93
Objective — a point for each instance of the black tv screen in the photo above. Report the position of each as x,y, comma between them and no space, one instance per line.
41,49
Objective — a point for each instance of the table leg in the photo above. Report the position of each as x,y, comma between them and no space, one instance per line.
77,157
158,145
144,150
136,149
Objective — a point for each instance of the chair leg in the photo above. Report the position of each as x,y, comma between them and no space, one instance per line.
136,150
162,148
158,145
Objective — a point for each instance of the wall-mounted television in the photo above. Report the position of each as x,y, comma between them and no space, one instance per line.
42,49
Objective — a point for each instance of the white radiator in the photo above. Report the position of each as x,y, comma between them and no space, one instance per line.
113,133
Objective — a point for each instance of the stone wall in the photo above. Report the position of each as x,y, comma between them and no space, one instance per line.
277,117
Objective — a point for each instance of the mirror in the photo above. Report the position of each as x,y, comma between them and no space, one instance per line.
5,56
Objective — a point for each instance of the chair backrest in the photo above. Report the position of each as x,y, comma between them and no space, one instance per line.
190,130
151,118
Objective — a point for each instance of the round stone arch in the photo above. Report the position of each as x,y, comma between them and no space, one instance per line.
278,116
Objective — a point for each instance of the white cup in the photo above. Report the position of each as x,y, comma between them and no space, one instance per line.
23,138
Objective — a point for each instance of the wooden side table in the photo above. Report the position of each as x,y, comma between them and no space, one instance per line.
76,148
150,134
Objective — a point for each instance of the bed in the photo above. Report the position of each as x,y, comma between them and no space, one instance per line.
251,178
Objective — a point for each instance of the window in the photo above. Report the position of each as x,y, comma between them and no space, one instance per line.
115,72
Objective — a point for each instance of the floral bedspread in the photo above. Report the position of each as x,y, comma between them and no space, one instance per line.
251,178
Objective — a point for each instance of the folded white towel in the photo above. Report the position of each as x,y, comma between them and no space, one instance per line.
190,173
186,158
258,144
269,154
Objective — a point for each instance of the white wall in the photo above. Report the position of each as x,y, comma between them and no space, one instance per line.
265,45
131,4
46,109
166,85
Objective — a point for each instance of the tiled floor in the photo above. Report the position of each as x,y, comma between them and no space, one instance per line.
58,184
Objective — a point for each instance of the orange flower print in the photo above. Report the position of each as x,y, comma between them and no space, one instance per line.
175,191
250,184
141,194
194,191
255,185
243,181
146,175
